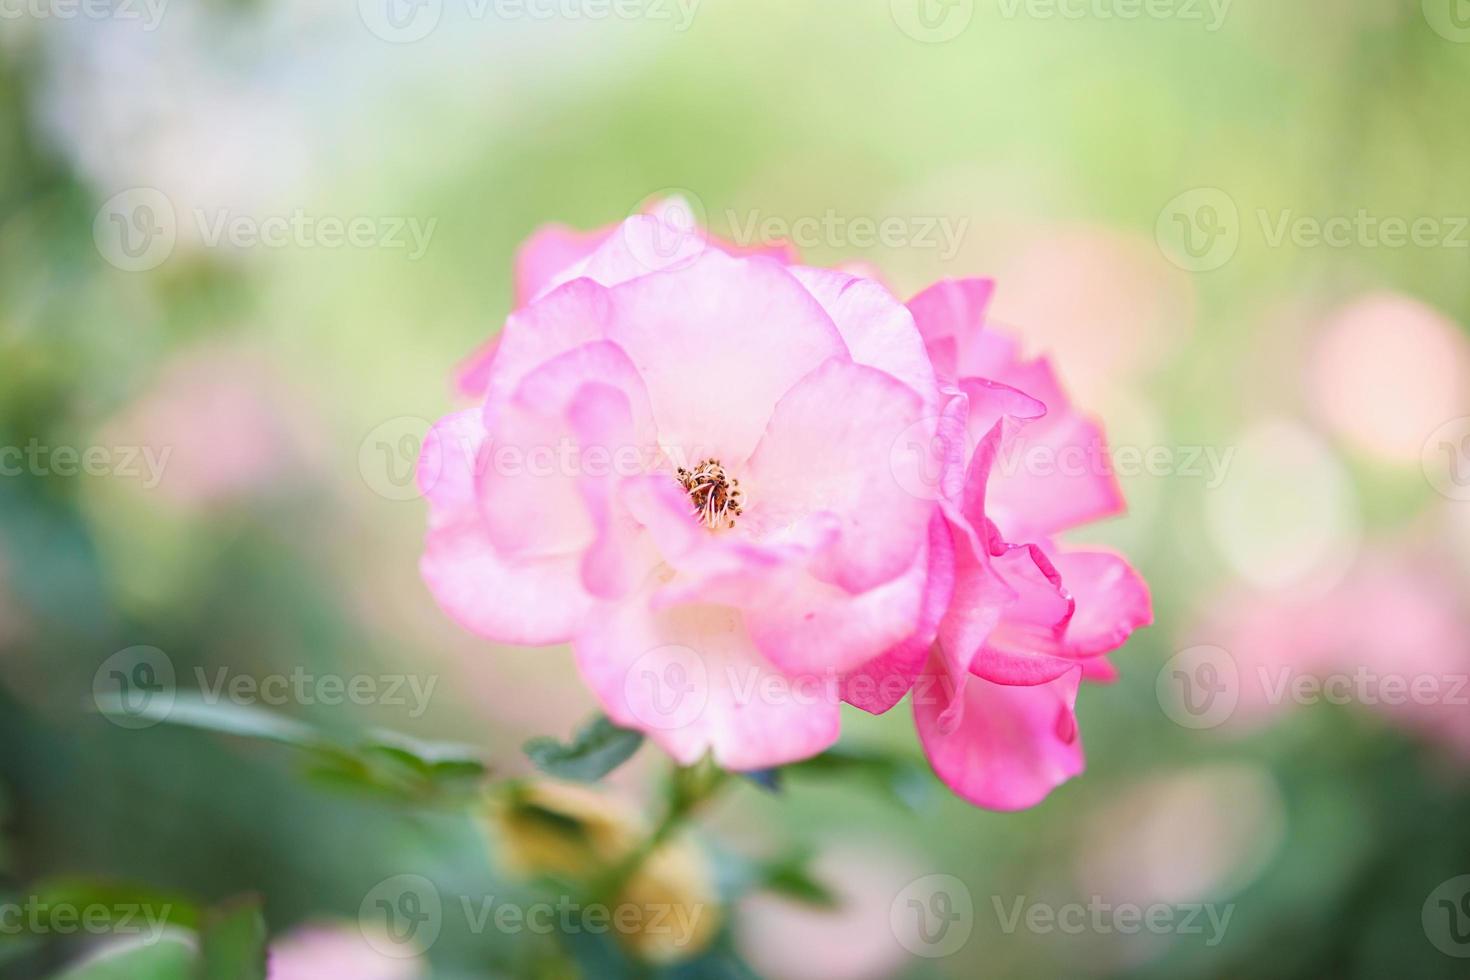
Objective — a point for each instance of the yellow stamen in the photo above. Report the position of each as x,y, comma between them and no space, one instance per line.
717,498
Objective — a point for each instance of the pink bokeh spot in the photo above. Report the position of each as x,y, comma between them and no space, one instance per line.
1389,639
332,951
216,427
1407,360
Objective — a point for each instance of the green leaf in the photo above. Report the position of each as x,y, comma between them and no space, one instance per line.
598,748
902,779
451,770
767,779
432,754
791,878
167,959
380,763
788,875
232,943
224,717
130,906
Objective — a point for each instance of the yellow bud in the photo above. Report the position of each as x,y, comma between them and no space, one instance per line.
564,829
667,909
677,903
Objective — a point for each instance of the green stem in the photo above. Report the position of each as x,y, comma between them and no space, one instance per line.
689,788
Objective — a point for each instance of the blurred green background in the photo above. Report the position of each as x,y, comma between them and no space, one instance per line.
1143,180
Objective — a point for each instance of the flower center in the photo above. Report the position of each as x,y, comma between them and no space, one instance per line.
717,499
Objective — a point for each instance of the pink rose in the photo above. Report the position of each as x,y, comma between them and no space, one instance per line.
747,491
1030,619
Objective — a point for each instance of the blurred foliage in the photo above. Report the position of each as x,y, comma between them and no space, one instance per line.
598,748
785,109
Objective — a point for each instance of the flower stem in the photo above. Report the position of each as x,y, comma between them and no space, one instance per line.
689,787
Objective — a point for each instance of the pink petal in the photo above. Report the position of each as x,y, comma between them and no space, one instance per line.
801,624
531,492
878,330
621,555
1024,646
447,463
665,237
1066,607
810,627
692,679
828,450
531,504
556,254
1057,473
1099,670
980,599
993,415
881,683
1112,601
533,601
472,376
712,565
550,251
718,343
647,243
995,404
1009,613
1002,666
570,316
949,315
1006,747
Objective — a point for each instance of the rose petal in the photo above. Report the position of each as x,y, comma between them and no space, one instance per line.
1112,600
1099,670
531,492
692,679
621,554
881,683
666,236
1057,473
472,376
549,252
718,343
949,315
828,449
533,601
1007,747
879,330
568,317
810,627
